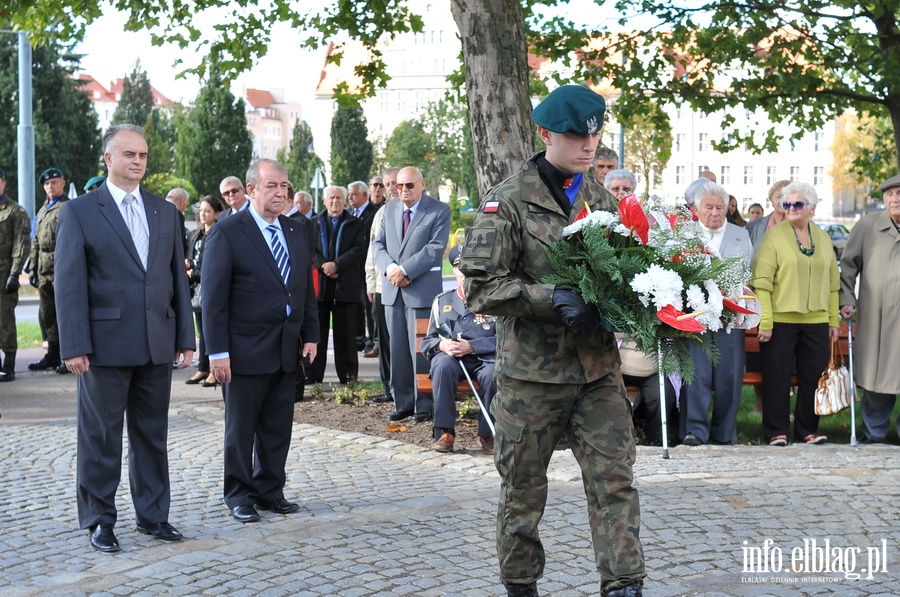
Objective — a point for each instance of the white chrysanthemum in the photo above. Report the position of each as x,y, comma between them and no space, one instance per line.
696,300
660,285
595,218
714,299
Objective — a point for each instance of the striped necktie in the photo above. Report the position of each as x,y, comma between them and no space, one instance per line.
281,256
136,227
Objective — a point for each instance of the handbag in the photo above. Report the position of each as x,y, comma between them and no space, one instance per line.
835,392
195,300
634,362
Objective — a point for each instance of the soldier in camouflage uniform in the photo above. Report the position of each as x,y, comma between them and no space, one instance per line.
42,259
14,231
557,368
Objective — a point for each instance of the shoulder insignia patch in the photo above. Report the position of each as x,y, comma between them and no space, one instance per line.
491,207
447,308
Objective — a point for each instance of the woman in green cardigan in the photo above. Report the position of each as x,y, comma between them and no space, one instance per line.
796,278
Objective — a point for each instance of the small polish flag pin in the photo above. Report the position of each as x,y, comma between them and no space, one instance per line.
491,207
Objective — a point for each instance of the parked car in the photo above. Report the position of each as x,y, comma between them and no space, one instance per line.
839,235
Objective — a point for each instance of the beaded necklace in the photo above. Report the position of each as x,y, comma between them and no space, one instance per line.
812,244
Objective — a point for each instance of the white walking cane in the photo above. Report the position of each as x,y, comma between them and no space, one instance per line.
444,332
663,403
853,441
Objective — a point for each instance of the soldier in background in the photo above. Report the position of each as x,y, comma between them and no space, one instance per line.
42,265
14,231
557,369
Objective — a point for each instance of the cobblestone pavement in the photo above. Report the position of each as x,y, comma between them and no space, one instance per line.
380,517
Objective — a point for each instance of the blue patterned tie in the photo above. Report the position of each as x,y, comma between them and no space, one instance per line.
281,256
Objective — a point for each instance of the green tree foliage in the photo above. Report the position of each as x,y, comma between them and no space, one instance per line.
160,184
350,146
801,63
409,145
213,141
159,153
136,102
648,145
66,132
300,160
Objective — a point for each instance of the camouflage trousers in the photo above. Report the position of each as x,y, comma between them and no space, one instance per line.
8,302
531,418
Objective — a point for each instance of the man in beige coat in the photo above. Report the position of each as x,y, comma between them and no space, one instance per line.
872,256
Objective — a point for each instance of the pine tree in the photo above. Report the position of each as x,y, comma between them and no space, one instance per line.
300,160
350,147
213,140
136,102
66,131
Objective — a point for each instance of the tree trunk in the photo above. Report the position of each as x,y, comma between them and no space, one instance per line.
893,106
495,57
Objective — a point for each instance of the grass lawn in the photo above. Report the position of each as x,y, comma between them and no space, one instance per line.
836,427
28,335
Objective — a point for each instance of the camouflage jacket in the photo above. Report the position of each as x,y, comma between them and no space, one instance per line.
14,232
504,259
43,245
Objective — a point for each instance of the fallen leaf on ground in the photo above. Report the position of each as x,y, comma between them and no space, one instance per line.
395,428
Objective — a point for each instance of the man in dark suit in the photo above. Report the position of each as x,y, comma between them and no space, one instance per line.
409,249
360,207
124,313
340,284
259,314
234,196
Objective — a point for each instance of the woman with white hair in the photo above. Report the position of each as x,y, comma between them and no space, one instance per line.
620,183
797,281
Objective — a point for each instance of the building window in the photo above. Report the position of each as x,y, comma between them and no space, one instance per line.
679,141
748,174
701,170
818,175
679,175
704,140
817,141
726,175
795,173
770,175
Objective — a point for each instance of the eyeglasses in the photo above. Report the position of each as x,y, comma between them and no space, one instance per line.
795,205
377,184
408,185
230,192
621,189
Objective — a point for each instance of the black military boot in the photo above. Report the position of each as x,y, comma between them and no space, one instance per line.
50,360
9,366
529,590
629,591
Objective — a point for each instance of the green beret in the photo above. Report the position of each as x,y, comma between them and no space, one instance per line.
97,180
50,173
571,109
2,173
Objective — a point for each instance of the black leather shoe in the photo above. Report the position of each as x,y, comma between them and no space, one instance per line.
279,506
629,591
45,364
381,398
104,539
399,415
161,530
422,417
245,514
62,369
529,590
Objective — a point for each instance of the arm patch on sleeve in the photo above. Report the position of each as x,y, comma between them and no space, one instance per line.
480,243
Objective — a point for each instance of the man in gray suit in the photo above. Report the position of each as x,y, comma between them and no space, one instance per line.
124,314
409,249
721,383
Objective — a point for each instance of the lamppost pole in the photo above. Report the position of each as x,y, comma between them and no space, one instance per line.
26,128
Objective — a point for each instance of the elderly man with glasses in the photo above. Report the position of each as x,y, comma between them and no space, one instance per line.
232,191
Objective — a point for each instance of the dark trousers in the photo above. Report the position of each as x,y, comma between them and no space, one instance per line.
719,384
346,358
384,345
202,357
258,417
646,408
446,373
365,323
48,314
810,346
876,415
105,396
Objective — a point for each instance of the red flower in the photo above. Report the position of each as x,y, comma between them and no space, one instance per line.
585,212
679,320
633,217
737,308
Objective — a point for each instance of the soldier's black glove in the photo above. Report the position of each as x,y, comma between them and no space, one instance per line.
33,279
12,284
575,313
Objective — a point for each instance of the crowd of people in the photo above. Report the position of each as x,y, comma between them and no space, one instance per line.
265,279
